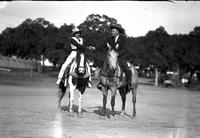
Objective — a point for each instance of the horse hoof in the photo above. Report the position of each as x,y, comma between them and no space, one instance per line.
103,117
112,116
122,113
134,115
80,115
103,113
59,106
71,113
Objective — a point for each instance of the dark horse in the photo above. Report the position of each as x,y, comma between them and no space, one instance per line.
112,77
75,77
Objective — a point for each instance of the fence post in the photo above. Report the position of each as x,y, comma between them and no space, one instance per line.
39,67
156,77
31,73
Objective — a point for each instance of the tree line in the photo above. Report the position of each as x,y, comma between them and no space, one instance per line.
157,50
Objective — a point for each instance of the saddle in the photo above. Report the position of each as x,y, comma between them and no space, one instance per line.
131,69
73,70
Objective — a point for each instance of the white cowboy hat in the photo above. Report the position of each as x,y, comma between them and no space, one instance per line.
75,30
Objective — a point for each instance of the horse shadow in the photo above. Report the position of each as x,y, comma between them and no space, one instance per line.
99,111
74,107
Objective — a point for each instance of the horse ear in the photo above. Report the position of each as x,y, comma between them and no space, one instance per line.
108,45
110,49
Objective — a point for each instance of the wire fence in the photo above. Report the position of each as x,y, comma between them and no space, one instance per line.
8,62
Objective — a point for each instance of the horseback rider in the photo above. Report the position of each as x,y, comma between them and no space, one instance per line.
77,44
116,41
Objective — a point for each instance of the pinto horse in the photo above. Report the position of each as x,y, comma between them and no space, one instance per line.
75,77
113,78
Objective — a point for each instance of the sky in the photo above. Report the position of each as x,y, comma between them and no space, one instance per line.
136,17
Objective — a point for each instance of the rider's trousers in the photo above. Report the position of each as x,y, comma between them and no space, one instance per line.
67,62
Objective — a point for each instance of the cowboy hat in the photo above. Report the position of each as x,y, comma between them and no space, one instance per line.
118,27
75,31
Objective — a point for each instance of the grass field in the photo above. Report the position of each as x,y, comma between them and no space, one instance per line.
28,109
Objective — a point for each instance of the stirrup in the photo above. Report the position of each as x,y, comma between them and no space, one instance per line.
89,85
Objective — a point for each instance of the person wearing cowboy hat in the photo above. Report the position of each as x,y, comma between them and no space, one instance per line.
76,45
116,41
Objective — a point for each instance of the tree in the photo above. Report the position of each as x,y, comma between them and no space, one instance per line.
95,30
59,46
157,50
8,42
193,55
136,51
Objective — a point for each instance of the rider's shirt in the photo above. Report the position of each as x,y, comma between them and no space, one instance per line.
116,38
118,44
76,44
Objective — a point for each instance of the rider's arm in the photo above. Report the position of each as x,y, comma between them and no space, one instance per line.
81,47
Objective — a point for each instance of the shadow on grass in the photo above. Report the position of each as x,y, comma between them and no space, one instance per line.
99,111
74,107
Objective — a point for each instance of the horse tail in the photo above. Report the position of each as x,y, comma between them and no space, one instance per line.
61,92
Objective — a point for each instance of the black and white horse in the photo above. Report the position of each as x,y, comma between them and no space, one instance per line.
76,77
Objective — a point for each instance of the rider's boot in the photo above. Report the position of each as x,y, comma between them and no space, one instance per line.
58,81
99,86
89,85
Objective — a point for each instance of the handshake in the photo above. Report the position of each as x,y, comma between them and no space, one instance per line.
91,48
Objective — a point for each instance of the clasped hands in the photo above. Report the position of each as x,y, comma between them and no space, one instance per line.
91,47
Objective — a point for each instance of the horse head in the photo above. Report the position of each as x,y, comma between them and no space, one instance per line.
112,58
81,64
110,67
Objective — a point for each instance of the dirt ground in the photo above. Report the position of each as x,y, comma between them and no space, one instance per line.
30,111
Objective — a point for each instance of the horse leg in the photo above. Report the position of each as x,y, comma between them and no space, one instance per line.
113,91
105,94
134,92
69,99
60,95
80,103
71,90
123,97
